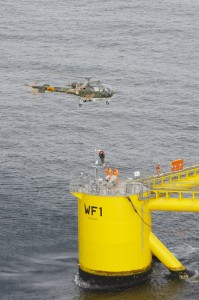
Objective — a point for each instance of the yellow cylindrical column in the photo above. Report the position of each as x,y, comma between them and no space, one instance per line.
113,239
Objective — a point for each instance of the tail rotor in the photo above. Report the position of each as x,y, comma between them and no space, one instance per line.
34,91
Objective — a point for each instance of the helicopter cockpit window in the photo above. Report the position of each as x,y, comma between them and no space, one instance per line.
96,85
107,88
96,88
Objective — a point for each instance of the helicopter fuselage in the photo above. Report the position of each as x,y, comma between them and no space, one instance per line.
88,91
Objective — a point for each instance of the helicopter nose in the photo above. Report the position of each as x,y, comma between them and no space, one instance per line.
109,91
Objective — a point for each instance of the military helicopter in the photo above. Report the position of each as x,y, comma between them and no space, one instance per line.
88,91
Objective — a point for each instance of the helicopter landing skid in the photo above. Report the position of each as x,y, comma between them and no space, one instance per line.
91,100
84,100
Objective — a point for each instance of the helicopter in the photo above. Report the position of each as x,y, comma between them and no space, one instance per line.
88,91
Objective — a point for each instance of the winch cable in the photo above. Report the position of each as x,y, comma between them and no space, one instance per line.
134,208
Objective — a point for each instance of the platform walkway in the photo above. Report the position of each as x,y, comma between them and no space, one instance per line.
187,178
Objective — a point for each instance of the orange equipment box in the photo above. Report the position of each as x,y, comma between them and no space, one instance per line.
177,165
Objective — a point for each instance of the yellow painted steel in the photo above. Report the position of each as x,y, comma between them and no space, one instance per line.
184,179
113,234
173,200
164,255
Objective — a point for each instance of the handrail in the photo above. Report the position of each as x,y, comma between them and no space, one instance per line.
171,177
177,194
94,187
171,182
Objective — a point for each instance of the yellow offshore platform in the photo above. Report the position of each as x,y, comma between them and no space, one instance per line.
116,242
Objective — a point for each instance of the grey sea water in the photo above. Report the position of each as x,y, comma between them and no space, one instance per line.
148,52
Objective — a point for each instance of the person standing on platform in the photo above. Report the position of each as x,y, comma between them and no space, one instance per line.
158,169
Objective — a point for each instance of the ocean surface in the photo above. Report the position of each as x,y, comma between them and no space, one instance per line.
148,52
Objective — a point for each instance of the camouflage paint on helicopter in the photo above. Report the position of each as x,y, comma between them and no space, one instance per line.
90,90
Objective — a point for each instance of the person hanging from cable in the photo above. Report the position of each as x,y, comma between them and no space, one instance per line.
102,156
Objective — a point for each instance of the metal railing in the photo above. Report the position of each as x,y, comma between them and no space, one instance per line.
191,175
166,184
89,184
170,194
